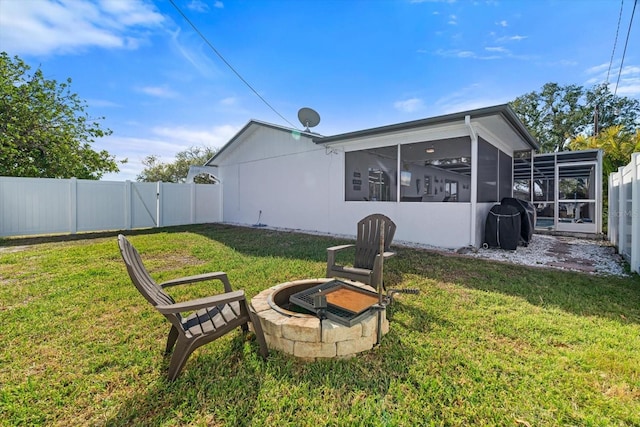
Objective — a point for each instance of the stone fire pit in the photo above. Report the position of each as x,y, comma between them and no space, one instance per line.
304,335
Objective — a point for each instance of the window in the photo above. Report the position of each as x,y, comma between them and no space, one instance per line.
505,175
495,173
487,172
440,171
370,175
430,171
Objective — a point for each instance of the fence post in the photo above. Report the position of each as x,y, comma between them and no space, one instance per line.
158,203
621,212
192,214
73,205
128,205
634,214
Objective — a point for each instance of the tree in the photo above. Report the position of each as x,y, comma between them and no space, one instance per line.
556,115
616,143
44,129
177,171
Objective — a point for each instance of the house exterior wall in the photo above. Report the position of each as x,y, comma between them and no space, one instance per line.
284,178
300,185
277,178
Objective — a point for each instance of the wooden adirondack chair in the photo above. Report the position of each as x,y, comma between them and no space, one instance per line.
211,317
368,262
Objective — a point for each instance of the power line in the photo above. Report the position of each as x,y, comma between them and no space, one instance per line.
615,42
202,36
625,46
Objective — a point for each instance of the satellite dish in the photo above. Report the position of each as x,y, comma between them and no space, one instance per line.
308,117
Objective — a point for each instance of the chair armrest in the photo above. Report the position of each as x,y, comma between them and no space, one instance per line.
388,255
331,256
339,248
199,303
219,275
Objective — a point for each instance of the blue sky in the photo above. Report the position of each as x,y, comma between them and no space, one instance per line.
360,64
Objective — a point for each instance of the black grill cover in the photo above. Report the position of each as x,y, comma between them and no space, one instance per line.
502,228
527,217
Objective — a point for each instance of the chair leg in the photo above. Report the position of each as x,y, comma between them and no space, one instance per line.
171,339
181,353
257,327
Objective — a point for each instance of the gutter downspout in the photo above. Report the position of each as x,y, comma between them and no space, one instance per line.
474,180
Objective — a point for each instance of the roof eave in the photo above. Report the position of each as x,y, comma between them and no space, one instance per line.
504,110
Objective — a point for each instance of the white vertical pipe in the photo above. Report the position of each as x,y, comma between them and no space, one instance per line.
474,183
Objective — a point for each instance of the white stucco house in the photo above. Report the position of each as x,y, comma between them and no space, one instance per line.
436,178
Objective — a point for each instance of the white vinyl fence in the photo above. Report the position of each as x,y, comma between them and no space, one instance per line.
624,211
30,206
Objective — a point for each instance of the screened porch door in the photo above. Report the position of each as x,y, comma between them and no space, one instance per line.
576,195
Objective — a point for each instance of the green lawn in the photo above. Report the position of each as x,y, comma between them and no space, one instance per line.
484,343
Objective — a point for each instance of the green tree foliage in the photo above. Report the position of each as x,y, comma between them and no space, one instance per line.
177,171
616,143
558,114
44,129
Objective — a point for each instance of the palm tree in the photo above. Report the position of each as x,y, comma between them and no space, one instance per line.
617,145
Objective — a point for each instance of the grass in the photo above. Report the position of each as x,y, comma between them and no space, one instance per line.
484,343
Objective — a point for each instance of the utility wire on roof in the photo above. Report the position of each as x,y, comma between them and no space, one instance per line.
625,45
228,64
615,42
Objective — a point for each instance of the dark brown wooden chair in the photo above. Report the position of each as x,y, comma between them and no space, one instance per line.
368,262
210,318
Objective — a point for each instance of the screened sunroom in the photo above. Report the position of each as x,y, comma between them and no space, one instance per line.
565,187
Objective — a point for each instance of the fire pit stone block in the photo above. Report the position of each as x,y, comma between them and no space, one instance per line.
278,343
312,350
333,332
370,325
259,302
271,322
305,329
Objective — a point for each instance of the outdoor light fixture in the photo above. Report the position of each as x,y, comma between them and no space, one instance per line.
430,150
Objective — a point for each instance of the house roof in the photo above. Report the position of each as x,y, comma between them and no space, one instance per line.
503,111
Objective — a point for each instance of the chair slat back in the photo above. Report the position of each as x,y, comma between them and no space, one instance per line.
368,239
140,276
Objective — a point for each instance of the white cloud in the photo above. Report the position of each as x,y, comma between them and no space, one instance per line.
628,85
213,137
192,52
198,6
628,82
69,26
465,54
102,103
409,105
598,69
218,5
466,98
502,23
432,1
229,102
163,142
507,39
158,91
497,49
